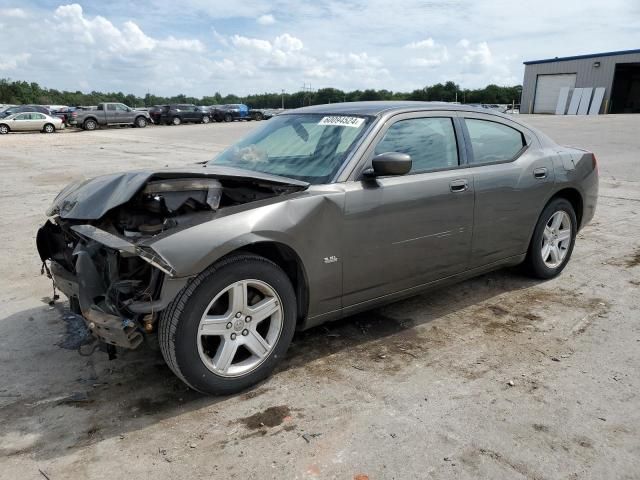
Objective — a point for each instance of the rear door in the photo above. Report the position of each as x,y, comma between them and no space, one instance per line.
404,231
111,113
512,177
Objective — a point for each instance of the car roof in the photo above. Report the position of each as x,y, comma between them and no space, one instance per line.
381,107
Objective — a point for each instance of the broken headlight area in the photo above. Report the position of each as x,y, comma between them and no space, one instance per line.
109,286
104,263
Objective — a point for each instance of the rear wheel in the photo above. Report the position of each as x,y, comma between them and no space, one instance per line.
231,325
258,116
228,117
4,129
49,128
206,119
176,120
141,122
553,240
90,124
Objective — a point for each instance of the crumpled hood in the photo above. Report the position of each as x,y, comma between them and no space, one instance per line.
92,199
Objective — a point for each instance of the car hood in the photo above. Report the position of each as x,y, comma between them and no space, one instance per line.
92,199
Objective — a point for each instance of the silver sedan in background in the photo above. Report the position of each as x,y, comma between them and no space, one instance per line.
30,121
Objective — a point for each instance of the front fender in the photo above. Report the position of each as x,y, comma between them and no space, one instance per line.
309,225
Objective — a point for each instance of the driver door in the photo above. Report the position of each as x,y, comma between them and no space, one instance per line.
402,232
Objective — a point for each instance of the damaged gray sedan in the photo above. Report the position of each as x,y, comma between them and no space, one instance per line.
323,212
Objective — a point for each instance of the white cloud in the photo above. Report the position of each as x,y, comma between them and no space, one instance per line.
12,61
252,43
429,53
267,19
428,43
479,54
12,13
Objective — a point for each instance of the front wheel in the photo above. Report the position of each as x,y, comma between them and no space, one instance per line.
229,328
553,240
176,120
141,122
206,119
4,129
228,117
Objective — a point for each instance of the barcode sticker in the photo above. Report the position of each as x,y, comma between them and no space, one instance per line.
337,121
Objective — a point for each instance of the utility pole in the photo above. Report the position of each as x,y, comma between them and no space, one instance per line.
282,100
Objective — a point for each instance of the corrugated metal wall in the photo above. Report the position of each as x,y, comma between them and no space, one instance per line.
586,75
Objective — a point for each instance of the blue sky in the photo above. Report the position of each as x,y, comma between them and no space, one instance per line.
198,47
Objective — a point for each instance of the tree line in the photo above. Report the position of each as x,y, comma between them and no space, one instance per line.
21,92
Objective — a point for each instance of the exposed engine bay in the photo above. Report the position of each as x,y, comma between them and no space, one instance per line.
115,281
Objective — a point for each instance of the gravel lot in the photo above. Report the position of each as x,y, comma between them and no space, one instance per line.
498,377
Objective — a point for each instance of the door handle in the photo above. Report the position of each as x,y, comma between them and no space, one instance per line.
459,185
540,173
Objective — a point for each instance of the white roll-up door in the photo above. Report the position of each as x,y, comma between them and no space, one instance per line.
548,90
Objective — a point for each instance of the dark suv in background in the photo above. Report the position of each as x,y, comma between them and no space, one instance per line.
24,108
178,113
229,113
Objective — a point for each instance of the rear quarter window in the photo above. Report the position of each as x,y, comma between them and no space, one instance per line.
493,142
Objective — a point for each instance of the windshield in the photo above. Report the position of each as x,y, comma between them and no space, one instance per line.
309,147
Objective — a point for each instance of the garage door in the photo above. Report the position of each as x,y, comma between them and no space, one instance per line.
548,90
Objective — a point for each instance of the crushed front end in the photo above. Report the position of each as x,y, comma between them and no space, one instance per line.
97,245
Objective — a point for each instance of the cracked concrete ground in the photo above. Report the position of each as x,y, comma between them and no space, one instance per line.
499,377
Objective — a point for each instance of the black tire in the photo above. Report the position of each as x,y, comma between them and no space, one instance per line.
258,116
176,121
180,322
48,128
90,124
228,117
4,129
534,264
205,119
140,122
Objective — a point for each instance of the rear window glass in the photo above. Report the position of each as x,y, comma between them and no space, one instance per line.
492,141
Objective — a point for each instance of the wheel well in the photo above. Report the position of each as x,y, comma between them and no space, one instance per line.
8,127
574,197
287,259
90,118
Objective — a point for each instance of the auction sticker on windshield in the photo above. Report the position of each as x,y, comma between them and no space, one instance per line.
338,121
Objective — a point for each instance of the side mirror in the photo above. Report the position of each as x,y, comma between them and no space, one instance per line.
389,163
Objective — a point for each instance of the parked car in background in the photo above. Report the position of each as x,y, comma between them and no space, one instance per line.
259,114
24,108
30,121
63,113
231,112
177,114
323,212
110,113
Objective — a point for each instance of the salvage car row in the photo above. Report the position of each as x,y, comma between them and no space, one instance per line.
48,120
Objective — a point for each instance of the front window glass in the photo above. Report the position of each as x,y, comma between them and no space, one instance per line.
122,108
309,147
431,142
111,106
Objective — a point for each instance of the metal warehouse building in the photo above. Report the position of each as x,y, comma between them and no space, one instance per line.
617,72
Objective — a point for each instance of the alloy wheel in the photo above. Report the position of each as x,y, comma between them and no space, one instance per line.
556,239
240,327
